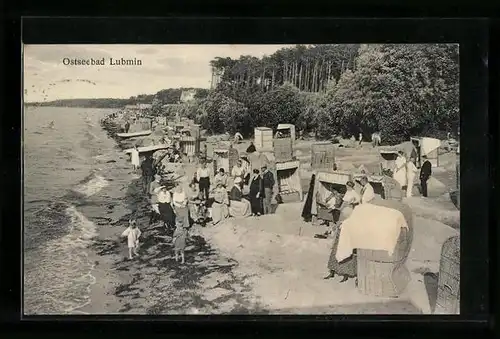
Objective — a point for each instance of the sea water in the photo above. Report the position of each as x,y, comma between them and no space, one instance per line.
61,169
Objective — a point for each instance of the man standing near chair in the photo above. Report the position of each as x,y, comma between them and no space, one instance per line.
203,177
425,173
268,185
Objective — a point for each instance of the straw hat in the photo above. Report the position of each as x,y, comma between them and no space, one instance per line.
237,180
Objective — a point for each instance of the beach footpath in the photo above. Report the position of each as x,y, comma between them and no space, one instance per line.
154,283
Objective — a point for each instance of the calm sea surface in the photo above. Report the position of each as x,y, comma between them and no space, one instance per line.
62,147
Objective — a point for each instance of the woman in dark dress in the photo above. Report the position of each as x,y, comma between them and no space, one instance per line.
306,211
256,193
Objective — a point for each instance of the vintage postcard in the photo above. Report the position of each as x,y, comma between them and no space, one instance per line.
241,179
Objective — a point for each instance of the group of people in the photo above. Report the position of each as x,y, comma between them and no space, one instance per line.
405,172
230,200
341,207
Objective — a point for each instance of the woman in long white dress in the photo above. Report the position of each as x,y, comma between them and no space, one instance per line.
400,170
411,172
135,158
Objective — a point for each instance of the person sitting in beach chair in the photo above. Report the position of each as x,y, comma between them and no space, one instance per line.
238,138
238,205
332,203
221,178
220,205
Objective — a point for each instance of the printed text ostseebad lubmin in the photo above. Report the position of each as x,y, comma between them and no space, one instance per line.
101,62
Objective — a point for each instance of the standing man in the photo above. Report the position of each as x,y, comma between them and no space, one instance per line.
425,173
148,171
203,177
127,126
360,138
268,185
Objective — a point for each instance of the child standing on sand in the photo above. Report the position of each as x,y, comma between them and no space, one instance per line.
132,233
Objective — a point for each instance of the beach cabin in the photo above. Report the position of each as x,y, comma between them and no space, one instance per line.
428,147
384,186
286,131
283,149
178,128
324,185
390,153
225,158
288,178
322,156
189,145
263,138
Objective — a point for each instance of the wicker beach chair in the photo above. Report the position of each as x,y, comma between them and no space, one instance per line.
381,274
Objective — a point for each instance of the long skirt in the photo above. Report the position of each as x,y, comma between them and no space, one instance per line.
239,208
219,212
182,217
256,204
167,214
306,211
347,266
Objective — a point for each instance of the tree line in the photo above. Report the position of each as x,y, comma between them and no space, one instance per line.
166,96
399,90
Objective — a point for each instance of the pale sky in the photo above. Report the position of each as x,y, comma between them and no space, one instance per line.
163,66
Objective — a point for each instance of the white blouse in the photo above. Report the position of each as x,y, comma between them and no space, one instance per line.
164,197
179,199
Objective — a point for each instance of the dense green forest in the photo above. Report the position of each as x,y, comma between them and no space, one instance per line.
396,89
166,96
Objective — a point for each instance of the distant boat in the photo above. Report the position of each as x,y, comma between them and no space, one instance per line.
151,148
51,124
133,134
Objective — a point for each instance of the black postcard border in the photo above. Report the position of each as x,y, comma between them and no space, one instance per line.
476,138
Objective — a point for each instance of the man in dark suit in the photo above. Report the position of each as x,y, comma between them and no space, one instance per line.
425,173
268,184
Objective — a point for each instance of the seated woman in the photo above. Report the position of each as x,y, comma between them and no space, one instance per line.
238,206
196,206
220,206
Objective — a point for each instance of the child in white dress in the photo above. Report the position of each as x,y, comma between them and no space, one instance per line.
132,233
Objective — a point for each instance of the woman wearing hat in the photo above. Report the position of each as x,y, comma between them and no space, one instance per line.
220,209
238,205
256,193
